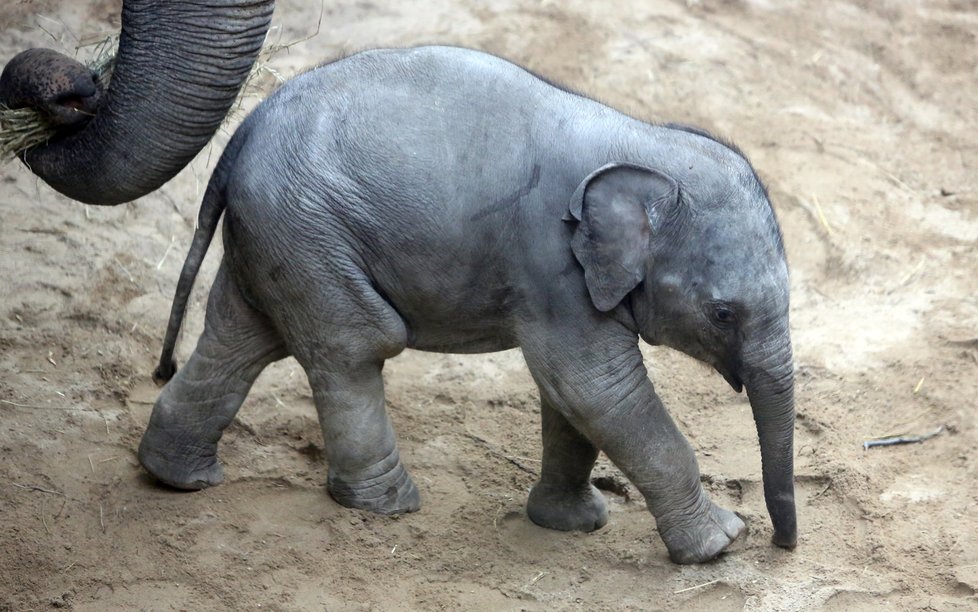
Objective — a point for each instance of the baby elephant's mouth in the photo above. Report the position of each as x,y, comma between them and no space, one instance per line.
732,379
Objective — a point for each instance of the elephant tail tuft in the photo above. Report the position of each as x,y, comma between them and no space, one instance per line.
162,375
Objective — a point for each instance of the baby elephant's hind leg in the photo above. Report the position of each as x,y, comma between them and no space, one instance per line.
179,447
343,355
365,469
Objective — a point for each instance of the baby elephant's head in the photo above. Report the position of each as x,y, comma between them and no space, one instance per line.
690,247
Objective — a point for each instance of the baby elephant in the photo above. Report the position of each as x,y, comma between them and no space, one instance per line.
446,200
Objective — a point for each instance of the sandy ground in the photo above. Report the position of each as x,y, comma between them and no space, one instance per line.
860,116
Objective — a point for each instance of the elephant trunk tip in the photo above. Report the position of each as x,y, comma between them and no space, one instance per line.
785,522
788,540
164,372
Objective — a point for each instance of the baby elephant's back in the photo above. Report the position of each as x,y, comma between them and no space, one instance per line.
441,125
406,144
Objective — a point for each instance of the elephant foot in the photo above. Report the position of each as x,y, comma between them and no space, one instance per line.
392,492
178,461
703,537
567,509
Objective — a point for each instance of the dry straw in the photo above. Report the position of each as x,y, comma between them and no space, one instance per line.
21,129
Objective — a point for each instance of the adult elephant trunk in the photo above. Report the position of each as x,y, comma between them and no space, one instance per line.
771,389
179,68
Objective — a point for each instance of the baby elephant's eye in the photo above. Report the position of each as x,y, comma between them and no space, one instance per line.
724,315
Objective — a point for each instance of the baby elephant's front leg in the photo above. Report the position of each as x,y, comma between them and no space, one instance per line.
601,387
365,469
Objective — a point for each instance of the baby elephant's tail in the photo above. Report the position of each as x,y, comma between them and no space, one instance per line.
210,213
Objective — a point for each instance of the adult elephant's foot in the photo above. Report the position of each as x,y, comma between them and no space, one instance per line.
567,509
702,536
180,459
379,488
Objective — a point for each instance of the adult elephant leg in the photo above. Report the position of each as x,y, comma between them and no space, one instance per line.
179,447
564,497
595,369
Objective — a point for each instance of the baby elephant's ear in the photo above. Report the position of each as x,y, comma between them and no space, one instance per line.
619,207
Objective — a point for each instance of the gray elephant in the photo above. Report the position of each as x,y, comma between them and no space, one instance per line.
446,200
178,70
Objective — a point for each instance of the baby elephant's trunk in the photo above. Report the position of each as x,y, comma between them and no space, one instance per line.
772,398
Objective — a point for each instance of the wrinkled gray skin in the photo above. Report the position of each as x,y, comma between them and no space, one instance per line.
446,200
178,70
